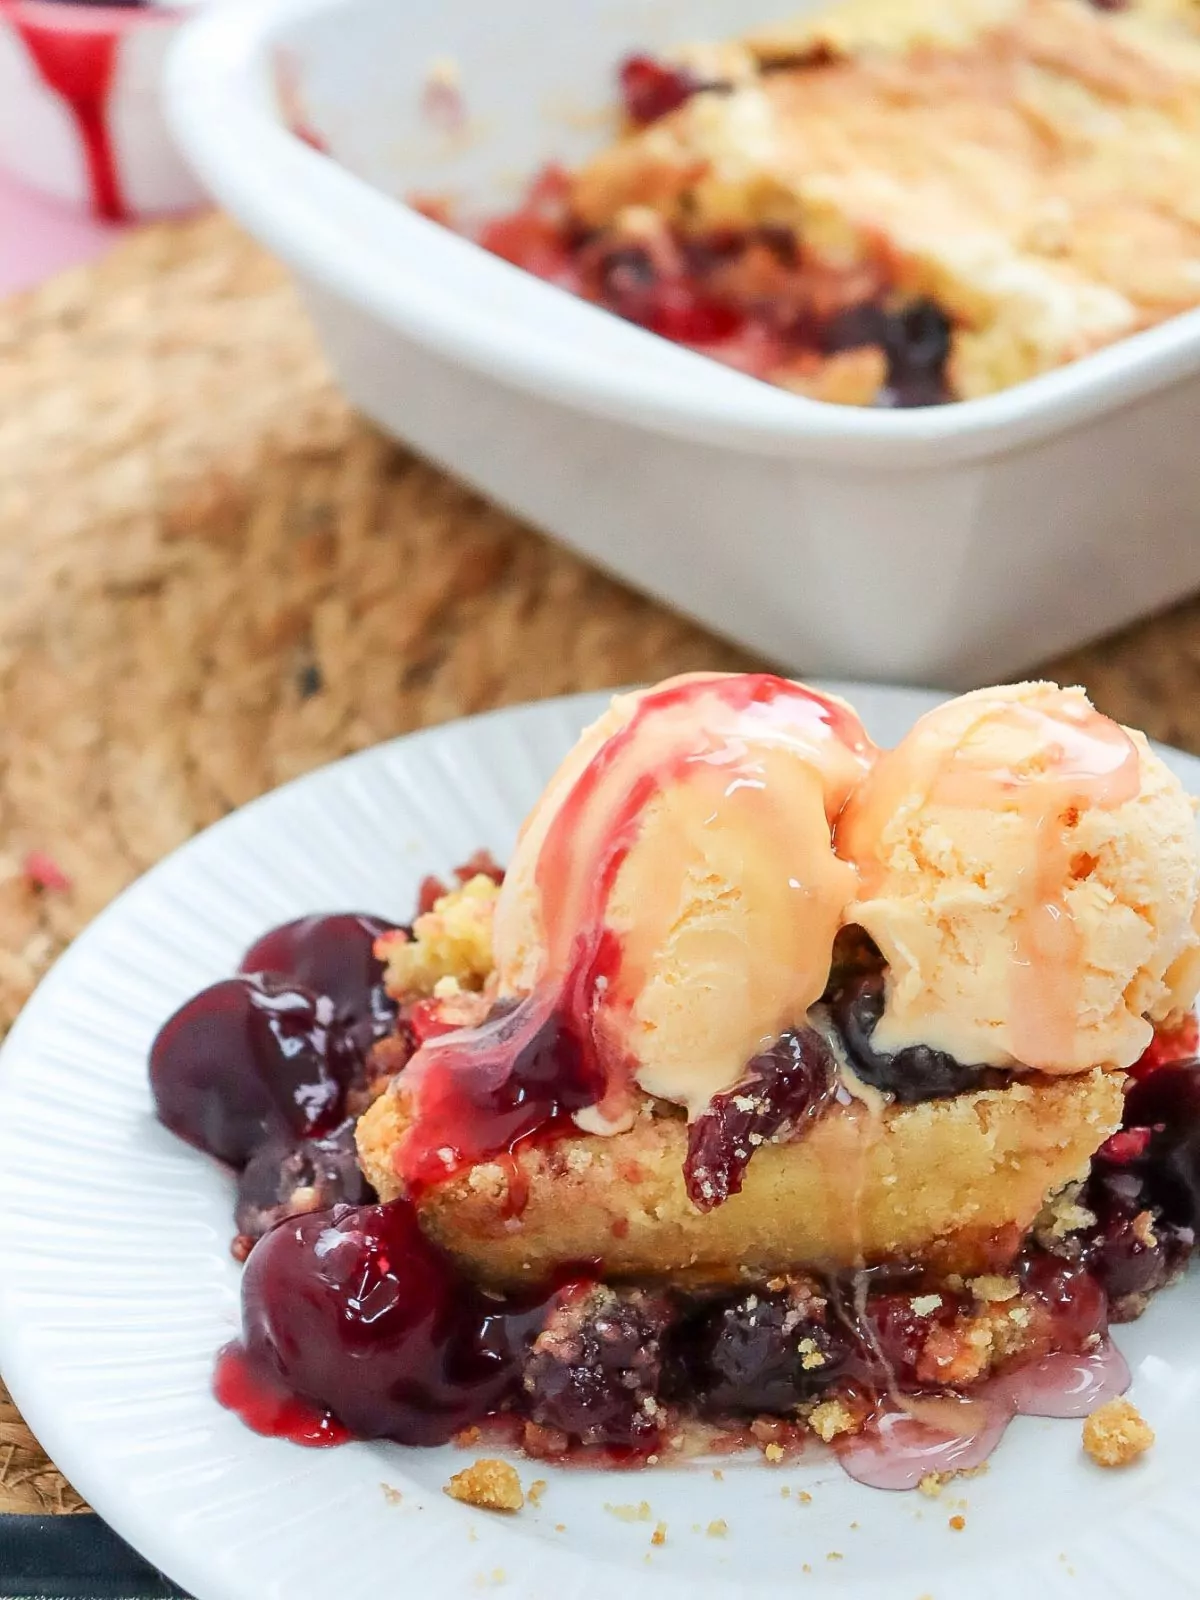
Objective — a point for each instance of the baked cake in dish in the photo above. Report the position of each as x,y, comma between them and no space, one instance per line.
782,1087
894,202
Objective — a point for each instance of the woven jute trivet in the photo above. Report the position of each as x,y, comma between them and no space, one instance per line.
213,576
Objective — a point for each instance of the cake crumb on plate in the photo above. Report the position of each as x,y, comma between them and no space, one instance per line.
490,1485
1116,1434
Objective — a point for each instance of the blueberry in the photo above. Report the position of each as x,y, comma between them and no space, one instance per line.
912,1074
761,1352
595,1370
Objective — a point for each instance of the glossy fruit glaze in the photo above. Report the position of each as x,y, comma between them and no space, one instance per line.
353,1310
266,1070
748,297
354,1323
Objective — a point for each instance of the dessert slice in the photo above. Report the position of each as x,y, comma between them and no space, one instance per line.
894,203
738,1092
781,1087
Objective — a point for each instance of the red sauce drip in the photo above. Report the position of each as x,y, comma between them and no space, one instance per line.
266,1407
78,64
524,1073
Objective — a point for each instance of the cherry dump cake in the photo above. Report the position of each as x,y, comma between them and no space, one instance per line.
783,1088
893,202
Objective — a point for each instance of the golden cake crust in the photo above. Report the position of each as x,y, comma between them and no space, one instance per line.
1033,165
941,1182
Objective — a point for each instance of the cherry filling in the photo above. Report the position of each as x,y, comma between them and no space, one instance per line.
355,1311
503,1085
265,1071
286,1176
249,1057
334,955
757,1353
914,338
595,1372
355,1324
651,89
751,298
781,1090
1144,1188
755,298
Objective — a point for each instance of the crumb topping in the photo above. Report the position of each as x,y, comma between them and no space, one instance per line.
450,948
491,1485
1116,1434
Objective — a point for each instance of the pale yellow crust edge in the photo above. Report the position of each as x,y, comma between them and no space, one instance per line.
940,1182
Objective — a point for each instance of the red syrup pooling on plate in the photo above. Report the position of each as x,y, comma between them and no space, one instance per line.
267,1407
79,64
528,1070
905,1441
1064,1384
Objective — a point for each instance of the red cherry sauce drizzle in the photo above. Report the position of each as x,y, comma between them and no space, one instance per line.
78,64
480,1093
495,1086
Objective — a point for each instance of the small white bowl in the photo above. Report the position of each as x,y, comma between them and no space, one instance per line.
947,545
80,106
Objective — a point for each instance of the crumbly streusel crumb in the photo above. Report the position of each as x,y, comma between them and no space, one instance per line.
536,1490
717,1528
992,1287
1116,1434
830,1418
490,1485
638,1513
454,940
659,1536
932,1484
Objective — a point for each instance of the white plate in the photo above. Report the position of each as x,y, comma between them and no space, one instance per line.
116,1286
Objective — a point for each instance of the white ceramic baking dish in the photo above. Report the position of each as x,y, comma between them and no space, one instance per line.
947,545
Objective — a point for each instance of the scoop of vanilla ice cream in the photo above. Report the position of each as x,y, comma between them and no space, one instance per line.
728,894
1030,872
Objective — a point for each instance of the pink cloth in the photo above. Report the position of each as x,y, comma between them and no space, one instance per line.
39,237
